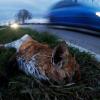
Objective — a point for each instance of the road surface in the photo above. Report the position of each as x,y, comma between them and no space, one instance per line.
2,28
86,41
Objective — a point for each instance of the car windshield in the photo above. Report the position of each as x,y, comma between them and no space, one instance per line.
73,3
93,3
65,3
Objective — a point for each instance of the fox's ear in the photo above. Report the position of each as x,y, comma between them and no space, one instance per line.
60,54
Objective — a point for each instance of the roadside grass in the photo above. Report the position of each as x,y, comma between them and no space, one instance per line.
8,35
19,86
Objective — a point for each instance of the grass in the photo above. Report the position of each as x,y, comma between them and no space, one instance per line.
8,35
19,86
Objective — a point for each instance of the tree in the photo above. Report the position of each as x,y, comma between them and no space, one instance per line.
23,15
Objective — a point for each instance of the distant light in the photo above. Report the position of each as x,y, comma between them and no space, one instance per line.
98,14
14,26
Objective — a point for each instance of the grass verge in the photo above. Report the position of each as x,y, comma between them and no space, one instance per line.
19,86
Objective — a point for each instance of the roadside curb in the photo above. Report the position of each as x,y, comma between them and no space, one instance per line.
77,29
81,49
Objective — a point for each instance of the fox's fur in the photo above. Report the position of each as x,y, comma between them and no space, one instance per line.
44,63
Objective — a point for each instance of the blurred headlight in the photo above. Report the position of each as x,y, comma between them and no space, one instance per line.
98,14
14,26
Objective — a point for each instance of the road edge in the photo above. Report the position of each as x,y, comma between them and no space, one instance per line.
81,49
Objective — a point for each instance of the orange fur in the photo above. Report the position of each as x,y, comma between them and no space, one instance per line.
43,56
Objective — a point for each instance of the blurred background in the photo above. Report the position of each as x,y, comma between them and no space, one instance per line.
75,21
38,8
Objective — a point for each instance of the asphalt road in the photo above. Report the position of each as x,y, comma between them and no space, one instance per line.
2,28
86,41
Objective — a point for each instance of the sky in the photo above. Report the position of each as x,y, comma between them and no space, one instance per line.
8,8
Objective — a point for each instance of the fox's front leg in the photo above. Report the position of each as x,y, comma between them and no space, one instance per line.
17,43
14,44
9,45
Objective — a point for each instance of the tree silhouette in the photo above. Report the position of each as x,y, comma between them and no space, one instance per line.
23,15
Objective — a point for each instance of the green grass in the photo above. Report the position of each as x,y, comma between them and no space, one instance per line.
21,87
8,35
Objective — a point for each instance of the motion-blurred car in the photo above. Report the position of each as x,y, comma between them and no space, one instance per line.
76,15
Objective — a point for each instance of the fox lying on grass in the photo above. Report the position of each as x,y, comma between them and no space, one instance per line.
42,62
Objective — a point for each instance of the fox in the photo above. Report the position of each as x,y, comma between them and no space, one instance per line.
42,62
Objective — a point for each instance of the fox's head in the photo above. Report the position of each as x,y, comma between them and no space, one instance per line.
65,65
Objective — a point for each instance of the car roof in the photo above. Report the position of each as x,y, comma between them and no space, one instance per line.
64,3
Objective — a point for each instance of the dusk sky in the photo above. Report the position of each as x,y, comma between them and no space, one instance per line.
8,8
